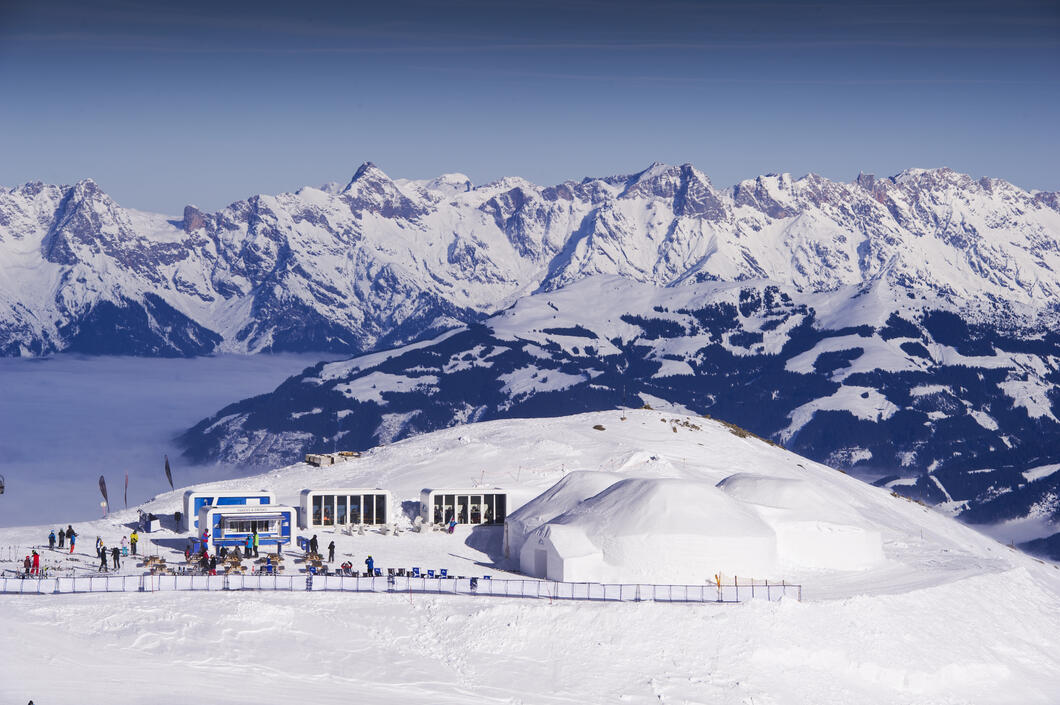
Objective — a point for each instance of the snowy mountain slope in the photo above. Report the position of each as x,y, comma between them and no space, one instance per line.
951,616
896,389
381,261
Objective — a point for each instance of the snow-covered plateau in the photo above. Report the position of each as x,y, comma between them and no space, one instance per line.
943,615
899,390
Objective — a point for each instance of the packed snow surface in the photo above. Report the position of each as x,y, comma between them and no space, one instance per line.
947,616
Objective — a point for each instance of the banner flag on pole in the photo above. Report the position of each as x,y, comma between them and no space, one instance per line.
126,489
103,489
169,475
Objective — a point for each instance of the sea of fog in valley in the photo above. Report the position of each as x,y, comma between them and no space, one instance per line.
66,420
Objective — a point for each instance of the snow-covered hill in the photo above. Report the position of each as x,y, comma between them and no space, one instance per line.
899,390
949,616
381,261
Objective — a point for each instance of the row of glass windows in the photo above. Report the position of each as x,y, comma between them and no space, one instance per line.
248,526
470,509
330,509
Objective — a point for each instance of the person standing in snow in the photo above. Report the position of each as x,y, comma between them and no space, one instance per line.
248,546
124,545
72,536
331,552
51,540
134,538
114,553
62,537
255,544
36,563
26,564
370,562
99,545
313,545
102,558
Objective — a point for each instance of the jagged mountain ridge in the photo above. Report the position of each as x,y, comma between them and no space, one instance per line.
382,261
902,391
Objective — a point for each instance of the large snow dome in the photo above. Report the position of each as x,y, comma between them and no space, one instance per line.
649,530
813,529
598,527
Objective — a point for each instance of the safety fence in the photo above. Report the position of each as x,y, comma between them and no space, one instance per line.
539,589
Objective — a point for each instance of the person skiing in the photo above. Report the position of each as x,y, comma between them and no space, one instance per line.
51,540
331,552
452,525
72,536
370,562
62,538
133,539
102,558
124,546
114,553
36,563
255,537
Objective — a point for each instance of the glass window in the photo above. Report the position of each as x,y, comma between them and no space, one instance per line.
450,507
502,508
439,511
491,509
368,507
355,509
461,509
340,509
476,509
380,509
329,510
317,501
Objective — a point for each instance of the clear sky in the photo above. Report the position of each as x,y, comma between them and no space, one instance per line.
165,104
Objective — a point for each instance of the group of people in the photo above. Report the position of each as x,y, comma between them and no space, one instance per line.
65,535
127,545
57,540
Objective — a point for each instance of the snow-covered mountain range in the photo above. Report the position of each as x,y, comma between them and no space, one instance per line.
383,261
903,391
900,327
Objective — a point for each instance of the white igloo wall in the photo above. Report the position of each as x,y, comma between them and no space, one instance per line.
575,487
651,530
814,528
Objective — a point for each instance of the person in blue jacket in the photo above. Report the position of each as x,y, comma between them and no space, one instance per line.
370,562
51,540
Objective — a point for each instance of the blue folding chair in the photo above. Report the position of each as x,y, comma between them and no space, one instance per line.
430,573
443,573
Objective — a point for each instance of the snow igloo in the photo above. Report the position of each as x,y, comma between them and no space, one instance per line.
639,530
815,528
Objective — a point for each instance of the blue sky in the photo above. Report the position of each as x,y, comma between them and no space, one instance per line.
165,106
